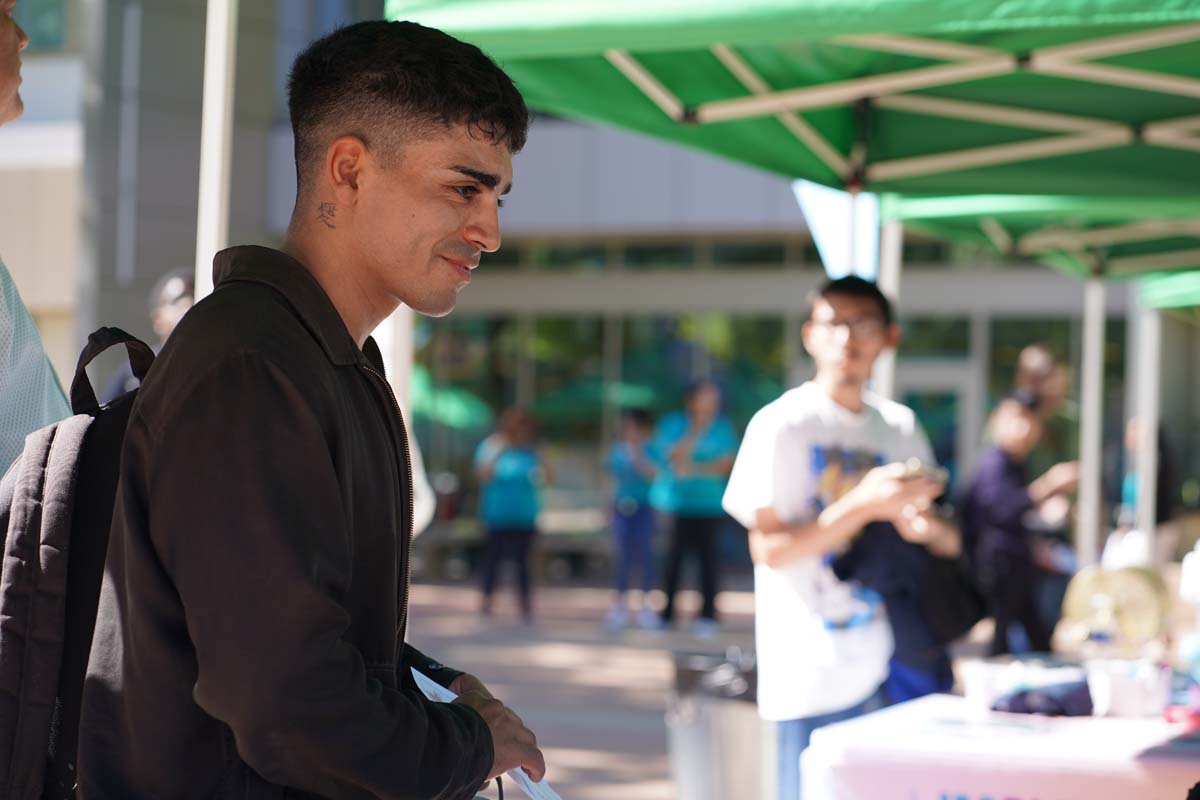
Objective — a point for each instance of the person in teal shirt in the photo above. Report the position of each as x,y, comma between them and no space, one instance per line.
30,395
695,449
510,473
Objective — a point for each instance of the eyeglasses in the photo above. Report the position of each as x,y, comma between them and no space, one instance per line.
863,328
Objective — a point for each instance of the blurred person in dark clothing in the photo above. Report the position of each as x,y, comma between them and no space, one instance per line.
171,297
1040,373
511,472
995,509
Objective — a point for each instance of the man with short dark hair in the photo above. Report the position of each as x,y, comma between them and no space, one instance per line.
251,633
819,469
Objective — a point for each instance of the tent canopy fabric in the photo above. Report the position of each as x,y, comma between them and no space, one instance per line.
1116,237
1172,290
1058,97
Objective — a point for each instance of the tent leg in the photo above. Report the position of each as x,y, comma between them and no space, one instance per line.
1091,429
891,244
216,135
1145,460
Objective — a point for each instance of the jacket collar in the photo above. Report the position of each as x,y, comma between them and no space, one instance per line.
286,275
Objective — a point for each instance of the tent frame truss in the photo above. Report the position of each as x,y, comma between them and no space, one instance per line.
1073,133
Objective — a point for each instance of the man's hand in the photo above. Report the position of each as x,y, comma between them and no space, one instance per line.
468,683
1059,479
886,491
939,536
514,744
1063,477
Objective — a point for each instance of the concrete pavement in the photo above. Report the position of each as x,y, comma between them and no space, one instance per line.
595,699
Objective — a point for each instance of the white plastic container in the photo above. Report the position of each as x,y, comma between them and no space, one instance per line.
1128,688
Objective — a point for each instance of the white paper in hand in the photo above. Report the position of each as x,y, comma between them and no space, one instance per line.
539,790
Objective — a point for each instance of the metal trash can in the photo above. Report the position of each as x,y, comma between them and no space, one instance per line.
719,748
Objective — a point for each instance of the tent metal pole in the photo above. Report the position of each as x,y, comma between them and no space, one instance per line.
649,85
795,124
1145,460
1119,76
1050,121
1052,238
1161,262
891,250
1121,44
916,46
1179,141
216,138
1089,522
993,155
849,91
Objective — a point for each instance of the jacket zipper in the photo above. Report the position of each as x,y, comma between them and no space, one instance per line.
403,622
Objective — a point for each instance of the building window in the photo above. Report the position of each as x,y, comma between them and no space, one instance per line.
663,355
464,373
660,255
509,256
932,337
766,253
569,255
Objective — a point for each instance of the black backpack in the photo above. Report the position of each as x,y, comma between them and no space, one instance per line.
56,506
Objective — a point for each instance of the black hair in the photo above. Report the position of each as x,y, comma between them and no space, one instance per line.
695,387
638,416
171,288
1027,399
381,81
853,286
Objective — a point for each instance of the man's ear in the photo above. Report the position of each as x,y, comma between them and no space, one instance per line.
345,160
893,336
805,333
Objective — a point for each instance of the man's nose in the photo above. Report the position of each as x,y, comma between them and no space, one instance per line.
484,230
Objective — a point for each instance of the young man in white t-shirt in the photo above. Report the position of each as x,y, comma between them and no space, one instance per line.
817,466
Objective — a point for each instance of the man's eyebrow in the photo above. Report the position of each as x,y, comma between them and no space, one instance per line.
486,178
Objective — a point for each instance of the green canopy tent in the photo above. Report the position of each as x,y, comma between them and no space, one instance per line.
910,96
1178,290
1115,237
1096,238
1054,97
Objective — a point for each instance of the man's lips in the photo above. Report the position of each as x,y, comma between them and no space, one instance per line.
463,266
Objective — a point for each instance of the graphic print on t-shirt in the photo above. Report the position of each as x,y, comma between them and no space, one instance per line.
837,470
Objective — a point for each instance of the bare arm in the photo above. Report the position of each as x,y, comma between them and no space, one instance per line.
1059,479
774,543
940,536
486,467
883,494
644,466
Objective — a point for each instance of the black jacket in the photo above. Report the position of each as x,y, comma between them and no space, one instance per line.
250,640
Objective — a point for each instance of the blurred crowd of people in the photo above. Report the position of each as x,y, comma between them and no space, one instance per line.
867,565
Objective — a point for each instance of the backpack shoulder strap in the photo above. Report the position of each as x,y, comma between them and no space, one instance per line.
36,506
141,357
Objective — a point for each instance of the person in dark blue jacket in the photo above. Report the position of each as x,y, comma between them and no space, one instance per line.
631,470
995,513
